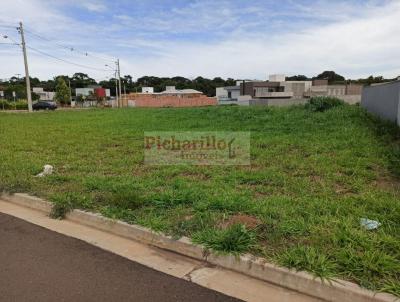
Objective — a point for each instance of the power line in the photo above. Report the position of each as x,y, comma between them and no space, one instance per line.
110,78
69,48
12,40
24,46
7,26
54,57
65,61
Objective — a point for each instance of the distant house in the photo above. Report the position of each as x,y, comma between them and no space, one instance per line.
97,91
229,94
186,93
278,91
170,97
350,93
44,95
84,91
147,90
383,100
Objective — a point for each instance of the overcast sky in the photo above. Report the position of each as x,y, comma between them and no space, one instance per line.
238,39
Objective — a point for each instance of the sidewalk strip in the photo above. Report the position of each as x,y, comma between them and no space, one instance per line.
248,265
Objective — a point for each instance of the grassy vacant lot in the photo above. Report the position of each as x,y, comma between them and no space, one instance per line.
313,176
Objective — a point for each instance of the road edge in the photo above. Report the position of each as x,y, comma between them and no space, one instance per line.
249,265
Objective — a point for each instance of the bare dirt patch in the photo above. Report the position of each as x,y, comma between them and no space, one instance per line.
388,183
316,179
250,222
341,188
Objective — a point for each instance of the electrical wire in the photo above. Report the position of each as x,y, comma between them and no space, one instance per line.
12,40
7,26
109,68
65,61
70,48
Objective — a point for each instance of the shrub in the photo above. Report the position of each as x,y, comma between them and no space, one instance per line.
21,105
63,204
236,239
5,105
323,103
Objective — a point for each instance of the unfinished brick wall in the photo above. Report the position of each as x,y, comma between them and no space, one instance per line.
169,101
354,89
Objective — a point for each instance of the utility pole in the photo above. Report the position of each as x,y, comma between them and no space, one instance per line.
116,89
27,79
70,91
119,83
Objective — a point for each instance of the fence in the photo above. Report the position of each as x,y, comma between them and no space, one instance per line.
170,101
383,100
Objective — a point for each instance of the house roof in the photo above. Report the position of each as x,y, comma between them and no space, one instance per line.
232,88
181,91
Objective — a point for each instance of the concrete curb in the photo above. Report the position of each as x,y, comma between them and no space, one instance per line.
246,264
28,201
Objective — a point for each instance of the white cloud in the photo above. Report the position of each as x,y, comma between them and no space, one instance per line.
357,47
94,6
354,40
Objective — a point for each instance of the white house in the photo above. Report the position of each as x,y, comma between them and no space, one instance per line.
44,95
84,91
147,89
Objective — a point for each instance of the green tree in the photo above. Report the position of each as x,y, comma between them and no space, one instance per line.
19,89
331,76
299,77
35,96
63,93
81,80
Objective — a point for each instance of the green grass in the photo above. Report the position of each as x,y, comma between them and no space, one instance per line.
235,239
313,176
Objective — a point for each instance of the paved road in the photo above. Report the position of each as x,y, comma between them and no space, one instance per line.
40,265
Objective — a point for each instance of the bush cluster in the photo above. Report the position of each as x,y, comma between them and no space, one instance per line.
323,103
19,105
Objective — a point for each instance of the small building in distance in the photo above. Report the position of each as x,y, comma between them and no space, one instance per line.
277,78
170,97
97,91
228,95
84,91
277,91
147,89
350,93
44,95
91,96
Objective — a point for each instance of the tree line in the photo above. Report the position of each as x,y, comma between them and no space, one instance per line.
82,80
334,78
207,86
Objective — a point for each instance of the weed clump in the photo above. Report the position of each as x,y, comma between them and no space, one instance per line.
236,239
62,205
323,103
308,259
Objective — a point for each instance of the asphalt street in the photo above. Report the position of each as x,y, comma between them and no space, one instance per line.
37,264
